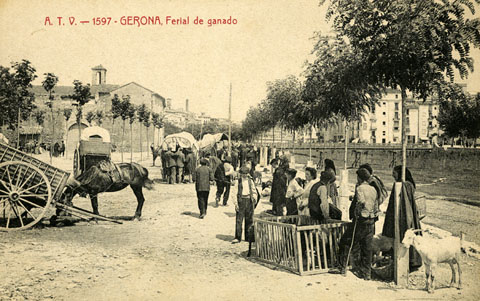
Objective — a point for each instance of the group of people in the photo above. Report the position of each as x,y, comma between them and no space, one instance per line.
220,168
364,211
311,196
315,196
318,198
178,165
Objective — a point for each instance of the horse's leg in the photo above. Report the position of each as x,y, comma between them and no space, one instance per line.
94,201
137,190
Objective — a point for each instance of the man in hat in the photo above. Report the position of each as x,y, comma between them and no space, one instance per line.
365,215
202,177
180,164
171,164
247,199
223,175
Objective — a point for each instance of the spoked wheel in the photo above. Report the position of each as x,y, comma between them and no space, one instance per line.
25,195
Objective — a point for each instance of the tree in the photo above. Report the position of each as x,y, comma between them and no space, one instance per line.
16,97
81,95
99,117
141,114
410,45
131,110
67,112
459,113
157,121
171,128
147,123
126,111
337,87
48,84
39,116
116,109
90,117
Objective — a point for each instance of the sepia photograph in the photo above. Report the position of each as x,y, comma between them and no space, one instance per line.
239,150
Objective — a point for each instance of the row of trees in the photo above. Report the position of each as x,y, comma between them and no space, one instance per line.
408,45
18,103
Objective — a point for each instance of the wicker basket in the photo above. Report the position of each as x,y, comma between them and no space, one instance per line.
383,269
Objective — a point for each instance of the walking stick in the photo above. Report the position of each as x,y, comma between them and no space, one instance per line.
351,246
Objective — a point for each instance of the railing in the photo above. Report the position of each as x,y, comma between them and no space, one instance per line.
298,243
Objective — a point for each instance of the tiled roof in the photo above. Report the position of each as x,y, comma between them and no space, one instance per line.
38,90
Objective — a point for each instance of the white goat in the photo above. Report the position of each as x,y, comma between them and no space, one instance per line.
434,251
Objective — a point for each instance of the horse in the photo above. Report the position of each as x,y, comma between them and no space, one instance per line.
96,180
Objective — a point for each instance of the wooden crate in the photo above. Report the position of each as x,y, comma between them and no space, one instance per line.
298,243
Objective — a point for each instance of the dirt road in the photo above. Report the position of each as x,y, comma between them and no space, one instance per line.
172,255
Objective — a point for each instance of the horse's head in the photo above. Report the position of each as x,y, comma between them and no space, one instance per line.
72,187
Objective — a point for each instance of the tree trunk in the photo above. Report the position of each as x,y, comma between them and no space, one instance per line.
79,116
310,145
273,138
66,138
346,146
141,149
281,138
123,137
53,133
401,254
404,133
131,142
18,128
148,144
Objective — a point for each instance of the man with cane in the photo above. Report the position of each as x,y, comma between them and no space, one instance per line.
358,238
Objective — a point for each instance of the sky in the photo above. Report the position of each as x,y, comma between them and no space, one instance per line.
271,40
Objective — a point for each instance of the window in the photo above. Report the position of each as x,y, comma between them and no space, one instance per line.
373,109
396,106
373,133
396,96
384,123
384,113
408,111
383,133
396,115
395,139
383,140
384,103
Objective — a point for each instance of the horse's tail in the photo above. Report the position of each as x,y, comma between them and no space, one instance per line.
147,183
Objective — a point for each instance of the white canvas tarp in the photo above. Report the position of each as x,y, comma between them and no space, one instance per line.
184,139
210,140
95,132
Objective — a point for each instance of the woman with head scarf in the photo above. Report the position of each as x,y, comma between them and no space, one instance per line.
332,187
407,213
293,192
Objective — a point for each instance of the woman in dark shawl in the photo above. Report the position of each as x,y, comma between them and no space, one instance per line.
330,166
408,215
279,186
332,187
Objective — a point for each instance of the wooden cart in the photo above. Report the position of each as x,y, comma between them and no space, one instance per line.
94,146
27,187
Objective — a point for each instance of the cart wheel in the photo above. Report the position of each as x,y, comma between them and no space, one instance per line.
76,164
25,195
